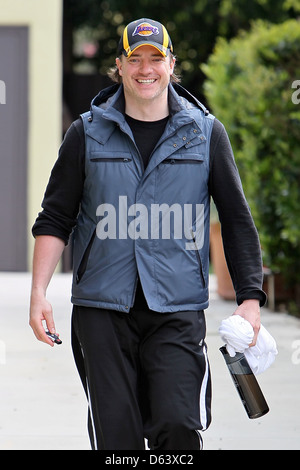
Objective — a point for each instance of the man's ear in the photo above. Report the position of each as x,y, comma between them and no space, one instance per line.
119,65
172,64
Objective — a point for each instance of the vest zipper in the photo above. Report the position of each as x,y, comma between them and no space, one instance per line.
177,161
198,259
133,141
107,159
83,263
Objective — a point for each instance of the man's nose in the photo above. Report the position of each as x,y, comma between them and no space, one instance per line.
146,66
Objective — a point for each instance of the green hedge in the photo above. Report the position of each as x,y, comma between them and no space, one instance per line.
249,88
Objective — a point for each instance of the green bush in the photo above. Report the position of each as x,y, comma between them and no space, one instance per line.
249,88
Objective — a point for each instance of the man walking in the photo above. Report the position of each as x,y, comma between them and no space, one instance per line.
134,179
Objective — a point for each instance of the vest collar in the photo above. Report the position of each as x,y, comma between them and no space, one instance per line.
108,110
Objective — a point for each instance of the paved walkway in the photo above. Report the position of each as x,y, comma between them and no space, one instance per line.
42,405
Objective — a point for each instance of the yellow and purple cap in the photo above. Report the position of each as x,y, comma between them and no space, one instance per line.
145,32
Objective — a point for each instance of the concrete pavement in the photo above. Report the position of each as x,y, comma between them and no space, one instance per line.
43,407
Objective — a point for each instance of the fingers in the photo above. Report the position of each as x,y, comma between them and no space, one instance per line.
41,311
256,331
256,327
250,311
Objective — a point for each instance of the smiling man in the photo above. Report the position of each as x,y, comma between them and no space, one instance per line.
146,75
134,179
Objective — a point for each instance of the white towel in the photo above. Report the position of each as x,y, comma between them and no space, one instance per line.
237,333
262,355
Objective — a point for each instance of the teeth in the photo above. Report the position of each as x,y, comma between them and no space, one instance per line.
146,81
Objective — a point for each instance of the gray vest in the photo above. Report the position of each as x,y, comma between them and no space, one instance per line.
154,223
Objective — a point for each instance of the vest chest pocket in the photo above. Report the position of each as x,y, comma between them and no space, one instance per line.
113,157
119,159
186,159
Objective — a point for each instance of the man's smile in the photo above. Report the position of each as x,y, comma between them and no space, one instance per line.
146,80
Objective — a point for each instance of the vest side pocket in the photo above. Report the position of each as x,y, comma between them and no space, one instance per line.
200,268
83,263
198,257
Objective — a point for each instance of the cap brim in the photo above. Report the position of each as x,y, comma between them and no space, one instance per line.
161,49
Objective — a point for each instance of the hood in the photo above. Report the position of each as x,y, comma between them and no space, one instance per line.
184,98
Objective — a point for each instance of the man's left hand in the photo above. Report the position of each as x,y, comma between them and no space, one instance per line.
250,311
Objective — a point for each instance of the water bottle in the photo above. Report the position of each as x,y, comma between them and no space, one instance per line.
246,384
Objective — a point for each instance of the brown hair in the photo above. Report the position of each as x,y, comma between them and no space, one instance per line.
113,73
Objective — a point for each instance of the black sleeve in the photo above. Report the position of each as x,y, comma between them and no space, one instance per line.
64,190
240,237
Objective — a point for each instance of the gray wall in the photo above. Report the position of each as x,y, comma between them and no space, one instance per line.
13,147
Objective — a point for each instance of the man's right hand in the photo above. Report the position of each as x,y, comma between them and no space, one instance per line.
47,252
41,310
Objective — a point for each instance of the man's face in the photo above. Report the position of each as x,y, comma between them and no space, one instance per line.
145,74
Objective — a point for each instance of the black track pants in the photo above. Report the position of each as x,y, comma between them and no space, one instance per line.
146,375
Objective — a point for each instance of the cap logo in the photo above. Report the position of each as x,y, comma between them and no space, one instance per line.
145,29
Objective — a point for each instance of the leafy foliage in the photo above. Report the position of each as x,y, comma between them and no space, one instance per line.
249,86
